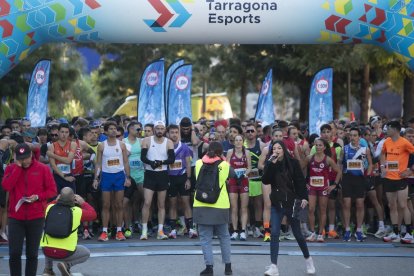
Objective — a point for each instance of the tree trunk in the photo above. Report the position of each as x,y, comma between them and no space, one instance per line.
304,101
365,94
243,96
408,98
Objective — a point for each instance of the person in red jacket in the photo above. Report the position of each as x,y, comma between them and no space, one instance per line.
30,184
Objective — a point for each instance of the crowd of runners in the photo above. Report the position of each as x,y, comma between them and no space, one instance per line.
140,178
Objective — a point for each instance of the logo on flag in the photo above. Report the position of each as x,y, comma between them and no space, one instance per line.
40,76
322,86
182,82
152,78
266,87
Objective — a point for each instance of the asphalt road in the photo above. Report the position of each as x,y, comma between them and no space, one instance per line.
183,257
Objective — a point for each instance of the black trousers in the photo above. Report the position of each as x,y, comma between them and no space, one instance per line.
32,231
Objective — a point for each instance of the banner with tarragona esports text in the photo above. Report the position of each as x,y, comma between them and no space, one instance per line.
320,101
151,94
179,94
36,109
170,71
265,109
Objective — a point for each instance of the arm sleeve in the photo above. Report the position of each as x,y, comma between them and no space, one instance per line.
144,158
268,174
88,213
171,157
299,181
49,185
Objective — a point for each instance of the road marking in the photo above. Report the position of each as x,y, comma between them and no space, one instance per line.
341,264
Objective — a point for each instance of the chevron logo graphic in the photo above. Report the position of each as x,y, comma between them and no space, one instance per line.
168,9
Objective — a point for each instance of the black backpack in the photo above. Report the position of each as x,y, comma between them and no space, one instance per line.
59,221
208,185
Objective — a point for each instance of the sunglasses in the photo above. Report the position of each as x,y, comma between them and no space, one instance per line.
250,131
138,129
54,135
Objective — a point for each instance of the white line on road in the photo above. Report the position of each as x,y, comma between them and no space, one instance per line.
341,264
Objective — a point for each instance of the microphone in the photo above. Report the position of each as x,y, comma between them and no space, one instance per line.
273,157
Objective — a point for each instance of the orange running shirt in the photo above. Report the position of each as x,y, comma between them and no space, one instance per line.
397,154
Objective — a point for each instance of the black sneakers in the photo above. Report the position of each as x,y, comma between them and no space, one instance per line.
227,270
208,271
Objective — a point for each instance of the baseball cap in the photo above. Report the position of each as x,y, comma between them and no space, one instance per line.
23,151
374,119
30,132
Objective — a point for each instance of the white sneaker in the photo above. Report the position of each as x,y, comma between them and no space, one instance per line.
272,270
192,234
234,236
392,238
4,236
243,236
310,268
380,233
312,237
408,239
257,233
290,236
173,234
249,231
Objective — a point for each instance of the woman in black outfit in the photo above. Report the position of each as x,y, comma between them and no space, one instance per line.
288,190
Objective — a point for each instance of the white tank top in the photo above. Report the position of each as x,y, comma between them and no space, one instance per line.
112,159
157,152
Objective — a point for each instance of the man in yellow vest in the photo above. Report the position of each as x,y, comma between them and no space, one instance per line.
66,250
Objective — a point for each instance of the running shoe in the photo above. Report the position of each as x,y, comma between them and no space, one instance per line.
380,233
192,234
161,235
392,238
347,236
103,237
4,236
64,269
86,235
234,236
266,237
243,236
120,236
408,239
48,272
182,230
320,238
359,236
250,231
310,268
257,233
333,235
144,236
128,233
312,237
173,234
290,236
272,270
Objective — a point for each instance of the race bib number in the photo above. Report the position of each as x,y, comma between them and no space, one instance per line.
64,168
254,174
136,164
239,172
177,165
354,165
317,181
113,162
392,166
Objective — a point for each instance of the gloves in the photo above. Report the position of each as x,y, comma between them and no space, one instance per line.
155,164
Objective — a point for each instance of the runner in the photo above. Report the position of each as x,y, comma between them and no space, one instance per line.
319,189
240,160
112,174
357,164
157,152
394,161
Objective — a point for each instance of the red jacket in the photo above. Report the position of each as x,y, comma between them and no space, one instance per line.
34,180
